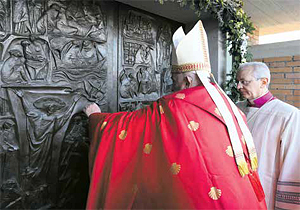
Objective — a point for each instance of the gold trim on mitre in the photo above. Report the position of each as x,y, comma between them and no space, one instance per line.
191,67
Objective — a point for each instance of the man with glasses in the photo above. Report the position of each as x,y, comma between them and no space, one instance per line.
275,126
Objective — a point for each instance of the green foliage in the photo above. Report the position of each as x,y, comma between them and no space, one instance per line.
235,25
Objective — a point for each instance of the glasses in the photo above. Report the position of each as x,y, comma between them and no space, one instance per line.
245,82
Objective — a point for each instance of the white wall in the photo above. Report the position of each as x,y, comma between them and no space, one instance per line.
279,49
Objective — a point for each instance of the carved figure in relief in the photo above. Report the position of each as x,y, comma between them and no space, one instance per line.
143,55
56,20
167,80
77,18
51,15
36,53
7,135
87,18
13,196
79,53
129,85
44,119
138,27
163,60
94,90
21,17
93,15
35,12
163,46
8,163
2,18
13,69
147,81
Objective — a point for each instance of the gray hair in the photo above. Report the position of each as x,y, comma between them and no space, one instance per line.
258,69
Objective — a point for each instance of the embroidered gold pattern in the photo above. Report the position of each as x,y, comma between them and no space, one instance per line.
229,151
123,134
193,126
147,148
191,67
180,95
204,47
217,111
103,125
161,109
214,193
175,168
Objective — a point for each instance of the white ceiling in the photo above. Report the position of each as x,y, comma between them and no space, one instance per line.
270,16
274,16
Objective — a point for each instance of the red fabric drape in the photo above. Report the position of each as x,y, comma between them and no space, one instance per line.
175,153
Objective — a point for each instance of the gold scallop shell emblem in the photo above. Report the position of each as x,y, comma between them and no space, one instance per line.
217,111
147,148
229,151
180,95
243,140
161,109
175,168
103,125
193,126
214,193
123,134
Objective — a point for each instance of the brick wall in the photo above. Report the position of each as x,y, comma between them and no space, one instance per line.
285,78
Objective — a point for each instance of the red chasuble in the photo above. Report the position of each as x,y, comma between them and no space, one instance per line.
173,154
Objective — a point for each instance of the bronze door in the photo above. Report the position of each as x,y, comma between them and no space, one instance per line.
55,56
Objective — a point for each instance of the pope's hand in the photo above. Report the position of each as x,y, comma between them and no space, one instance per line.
91,109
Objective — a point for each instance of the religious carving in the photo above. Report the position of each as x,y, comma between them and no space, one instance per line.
8,140
12,195
3,18
56,56
167,81
79,18
144,55
146,59
13,69
21,21
9,148
138,27
129,84
77,54
164,49
147,80
130,50
28,61
36,10
45,117
36,53
4,107
73,168
163,44
134,105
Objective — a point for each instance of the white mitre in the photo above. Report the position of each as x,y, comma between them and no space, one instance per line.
190,53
